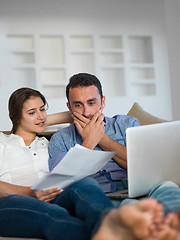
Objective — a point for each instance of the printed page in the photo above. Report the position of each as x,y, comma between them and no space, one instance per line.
79,162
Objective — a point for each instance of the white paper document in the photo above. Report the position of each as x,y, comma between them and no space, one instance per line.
79,162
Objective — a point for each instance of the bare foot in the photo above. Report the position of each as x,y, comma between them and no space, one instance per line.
169,229
173,220
132,221
163,233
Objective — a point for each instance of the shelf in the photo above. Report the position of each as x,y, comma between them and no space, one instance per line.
49,76
22,58
111,58
78,42
83,62
54,91
142,73
51,50
143,81
140,49
112,50
115,66
46,61
20,42
141,65
81,51
53,67
113,82
16,51
24,66
111,42
25,77
143,89
53,84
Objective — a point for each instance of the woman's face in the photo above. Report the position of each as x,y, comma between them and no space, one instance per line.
33,116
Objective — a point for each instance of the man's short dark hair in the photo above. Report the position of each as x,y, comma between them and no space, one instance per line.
83,80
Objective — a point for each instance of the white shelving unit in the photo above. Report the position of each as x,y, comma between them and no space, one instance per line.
141,66
51,65
81,54
111,55
22,58
46,61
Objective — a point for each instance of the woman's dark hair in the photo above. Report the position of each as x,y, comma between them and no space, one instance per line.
83,80
16,102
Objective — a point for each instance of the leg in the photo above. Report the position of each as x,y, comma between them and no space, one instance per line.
168,194
86,200
22,216
130,222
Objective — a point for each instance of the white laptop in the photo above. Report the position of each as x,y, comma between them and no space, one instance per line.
153,155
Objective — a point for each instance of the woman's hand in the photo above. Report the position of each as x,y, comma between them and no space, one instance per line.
7,189
46,195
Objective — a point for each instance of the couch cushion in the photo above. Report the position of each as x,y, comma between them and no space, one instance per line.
143,116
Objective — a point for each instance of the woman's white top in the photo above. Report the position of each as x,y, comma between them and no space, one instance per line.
20,164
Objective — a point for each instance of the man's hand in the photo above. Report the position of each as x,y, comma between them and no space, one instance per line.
83,121
91,130
46,195
105,142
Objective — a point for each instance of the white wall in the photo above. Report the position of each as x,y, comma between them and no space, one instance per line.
172,12
102,16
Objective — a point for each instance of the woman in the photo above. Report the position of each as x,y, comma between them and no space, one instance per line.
27,111
78,212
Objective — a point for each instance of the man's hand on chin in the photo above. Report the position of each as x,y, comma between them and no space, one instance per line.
91,130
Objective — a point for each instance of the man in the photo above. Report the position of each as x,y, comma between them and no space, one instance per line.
94,131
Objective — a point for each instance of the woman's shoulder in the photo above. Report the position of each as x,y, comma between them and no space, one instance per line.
4,139
4,136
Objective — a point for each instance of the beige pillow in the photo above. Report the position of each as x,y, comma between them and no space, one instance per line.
144,117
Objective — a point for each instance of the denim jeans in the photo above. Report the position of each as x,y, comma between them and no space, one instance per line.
74,214
166,193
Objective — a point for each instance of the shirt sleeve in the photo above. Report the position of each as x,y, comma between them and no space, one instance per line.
134,122
131,122
123,122
57,150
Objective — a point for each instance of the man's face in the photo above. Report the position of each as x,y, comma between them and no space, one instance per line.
85,101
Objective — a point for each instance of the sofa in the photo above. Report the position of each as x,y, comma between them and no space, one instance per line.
136,110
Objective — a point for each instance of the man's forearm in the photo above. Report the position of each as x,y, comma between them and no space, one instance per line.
108,144
59,118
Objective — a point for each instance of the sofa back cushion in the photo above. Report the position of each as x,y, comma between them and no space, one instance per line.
144,117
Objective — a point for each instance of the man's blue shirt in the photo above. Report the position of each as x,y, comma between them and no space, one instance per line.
68,137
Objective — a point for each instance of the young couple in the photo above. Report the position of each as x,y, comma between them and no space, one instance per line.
81,211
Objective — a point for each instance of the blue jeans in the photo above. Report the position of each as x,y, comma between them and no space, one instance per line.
166,193
74,214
